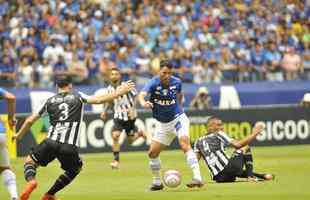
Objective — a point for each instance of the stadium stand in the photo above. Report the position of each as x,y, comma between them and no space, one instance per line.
211,41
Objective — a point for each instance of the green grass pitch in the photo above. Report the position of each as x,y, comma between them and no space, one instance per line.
97,181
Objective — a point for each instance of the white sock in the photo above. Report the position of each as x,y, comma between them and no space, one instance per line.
192,162
155,168
9,180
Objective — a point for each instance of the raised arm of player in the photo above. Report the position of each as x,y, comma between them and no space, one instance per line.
26,126
245,141
10,98
123,89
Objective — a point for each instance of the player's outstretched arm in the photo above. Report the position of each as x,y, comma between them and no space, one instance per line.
11,108
26,126
123,89
258,127
143,102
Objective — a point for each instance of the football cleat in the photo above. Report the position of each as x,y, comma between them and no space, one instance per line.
114,164
49,197
195,183
30,186
154,187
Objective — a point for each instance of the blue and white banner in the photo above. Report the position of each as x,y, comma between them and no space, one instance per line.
223,96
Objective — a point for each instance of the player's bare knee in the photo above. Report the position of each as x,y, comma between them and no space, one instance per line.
2,168
29,160
153,154
185,146
115,137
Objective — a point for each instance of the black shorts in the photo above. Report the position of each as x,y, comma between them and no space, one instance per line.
129,126
66,154
233,169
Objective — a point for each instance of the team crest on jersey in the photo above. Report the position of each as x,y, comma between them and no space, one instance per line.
165,92
173,87
158,88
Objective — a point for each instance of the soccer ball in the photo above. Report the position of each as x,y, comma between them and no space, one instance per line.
172,178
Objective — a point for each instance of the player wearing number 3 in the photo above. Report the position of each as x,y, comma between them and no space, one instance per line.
165,96
65,111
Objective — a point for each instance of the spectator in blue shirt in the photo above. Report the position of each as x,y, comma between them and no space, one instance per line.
257,61
7,72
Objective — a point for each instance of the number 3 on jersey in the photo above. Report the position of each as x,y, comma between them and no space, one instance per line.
64,111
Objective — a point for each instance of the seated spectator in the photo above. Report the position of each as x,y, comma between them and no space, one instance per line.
78,70
305,102
45,74
201,100
273,62
7,72
25,73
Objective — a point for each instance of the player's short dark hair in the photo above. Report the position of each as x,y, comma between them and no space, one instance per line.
115,69
63,80
165,63
211,118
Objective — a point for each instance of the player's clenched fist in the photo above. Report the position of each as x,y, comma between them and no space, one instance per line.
258,127
147,104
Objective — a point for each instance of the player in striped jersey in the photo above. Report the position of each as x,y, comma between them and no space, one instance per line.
124,114
211,148
9,178
65,111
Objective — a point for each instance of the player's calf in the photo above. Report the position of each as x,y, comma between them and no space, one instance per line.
30,170
63,180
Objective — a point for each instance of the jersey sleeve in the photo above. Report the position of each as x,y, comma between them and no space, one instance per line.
195,147
225,138
42,109
148,86
134,92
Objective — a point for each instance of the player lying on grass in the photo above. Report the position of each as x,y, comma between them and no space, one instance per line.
211,147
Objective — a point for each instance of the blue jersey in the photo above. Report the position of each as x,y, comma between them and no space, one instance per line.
165,103
2,126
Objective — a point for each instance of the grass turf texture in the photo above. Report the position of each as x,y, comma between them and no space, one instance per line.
97,181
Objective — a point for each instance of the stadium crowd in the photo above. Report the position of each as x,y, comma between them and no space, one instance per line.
208,41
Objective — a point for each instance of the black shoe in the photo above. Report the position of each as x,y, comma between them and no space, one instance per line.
195,183
154,187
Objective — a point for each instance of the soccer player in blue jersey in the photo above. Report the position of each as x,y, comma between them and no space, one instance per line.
165,96
9,178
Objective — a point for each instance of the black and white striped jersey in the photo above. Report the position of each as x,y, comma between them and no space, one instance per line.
124,107
212,149
65,111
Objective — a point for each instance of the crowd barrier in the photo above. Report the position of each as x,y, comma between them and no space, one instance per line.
284,126
222,96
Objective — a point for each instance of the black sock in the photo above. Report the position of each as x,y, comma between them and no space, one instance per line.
248,160
30,171
62,181
116,155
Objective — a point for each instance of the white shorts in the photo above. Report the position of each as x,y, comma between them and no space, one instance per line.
168,131
4,153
